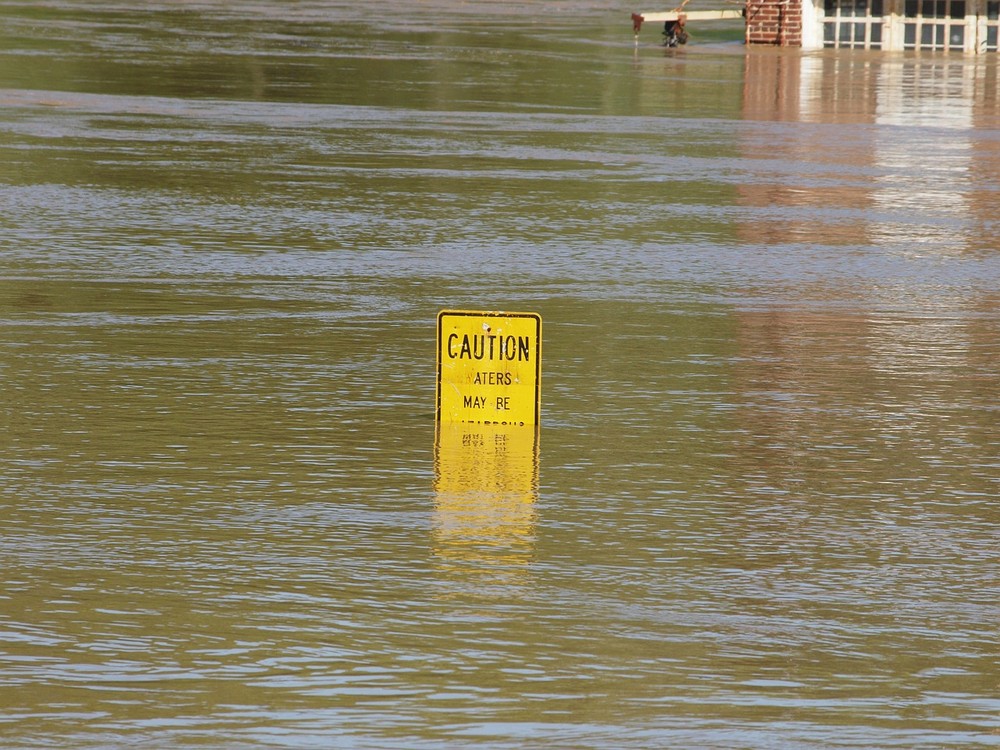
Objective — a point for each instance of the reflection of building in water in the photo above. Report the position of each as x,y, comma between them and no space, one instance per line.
785,207
931,93
923,172
909,185
486,488
798,371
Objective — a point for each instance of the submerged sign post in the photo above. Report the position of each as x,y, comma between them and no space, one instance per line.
489,367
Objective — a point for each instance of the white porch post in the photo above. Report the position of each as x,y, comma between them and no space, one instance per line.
812,24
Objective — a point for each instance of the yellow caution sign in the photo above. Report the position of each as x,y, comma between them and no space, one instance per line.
489,367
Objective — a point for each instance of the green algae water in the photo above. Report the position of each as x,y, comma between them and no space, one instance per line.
760,510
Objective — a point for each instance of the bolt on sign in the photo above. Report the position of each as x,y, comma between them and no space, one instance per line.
489,367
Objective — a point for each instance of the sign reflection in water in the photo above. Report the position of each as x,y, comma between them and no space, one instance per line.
485,497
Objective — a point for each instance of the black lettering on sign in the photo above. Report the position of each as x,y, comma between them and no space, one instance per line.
492,378
490,347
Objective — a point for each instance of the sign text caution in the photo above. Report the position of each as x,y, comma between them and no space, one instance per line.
489,367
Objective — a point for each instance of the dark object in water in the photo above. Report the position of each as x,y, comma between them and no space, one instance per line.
674,33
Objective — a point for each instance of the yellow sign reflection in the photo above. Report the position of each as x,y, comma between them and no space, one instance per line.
485,491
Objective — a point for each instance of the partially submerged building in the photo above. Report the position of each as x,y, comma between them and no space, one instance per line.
970,26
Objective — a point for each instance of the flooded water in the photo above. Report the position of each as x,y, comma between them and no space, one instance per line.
761,507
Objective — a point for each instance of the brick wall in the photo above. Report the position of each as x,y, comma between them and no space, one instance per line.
775,22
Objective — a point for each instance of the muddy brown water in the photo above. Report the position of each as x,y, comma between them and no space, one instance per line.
761,508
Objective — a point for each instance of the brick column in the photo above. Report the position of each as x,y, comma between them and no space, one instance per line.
775,22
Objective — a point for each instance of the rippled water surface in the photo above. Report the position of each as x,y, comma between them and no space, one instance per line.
761,508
